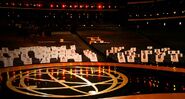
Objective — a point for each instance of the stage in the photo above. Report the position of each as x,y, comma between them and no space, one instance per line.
92,80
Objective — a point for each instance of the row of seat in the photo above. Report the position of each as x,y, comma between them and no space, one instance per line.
131,54
44,54
96,40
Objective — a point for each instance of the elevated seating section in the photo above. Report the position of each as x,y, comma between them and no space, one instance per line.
132,47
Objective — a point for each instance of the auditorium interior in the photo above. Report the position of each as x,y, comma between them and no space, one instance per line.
89,49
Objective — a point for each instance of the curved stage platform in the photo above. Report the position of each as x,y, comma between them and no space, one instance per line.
92,80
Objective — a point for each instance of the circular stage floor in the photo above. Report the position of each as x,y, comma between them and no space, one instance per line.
92,80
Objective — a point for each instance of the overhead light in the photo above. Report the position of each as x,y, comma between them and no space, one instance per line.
81,6
51,5
39,5
63,5
180,23
99,6
174,12
70,6
164,24
109,6
86,6
75,6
